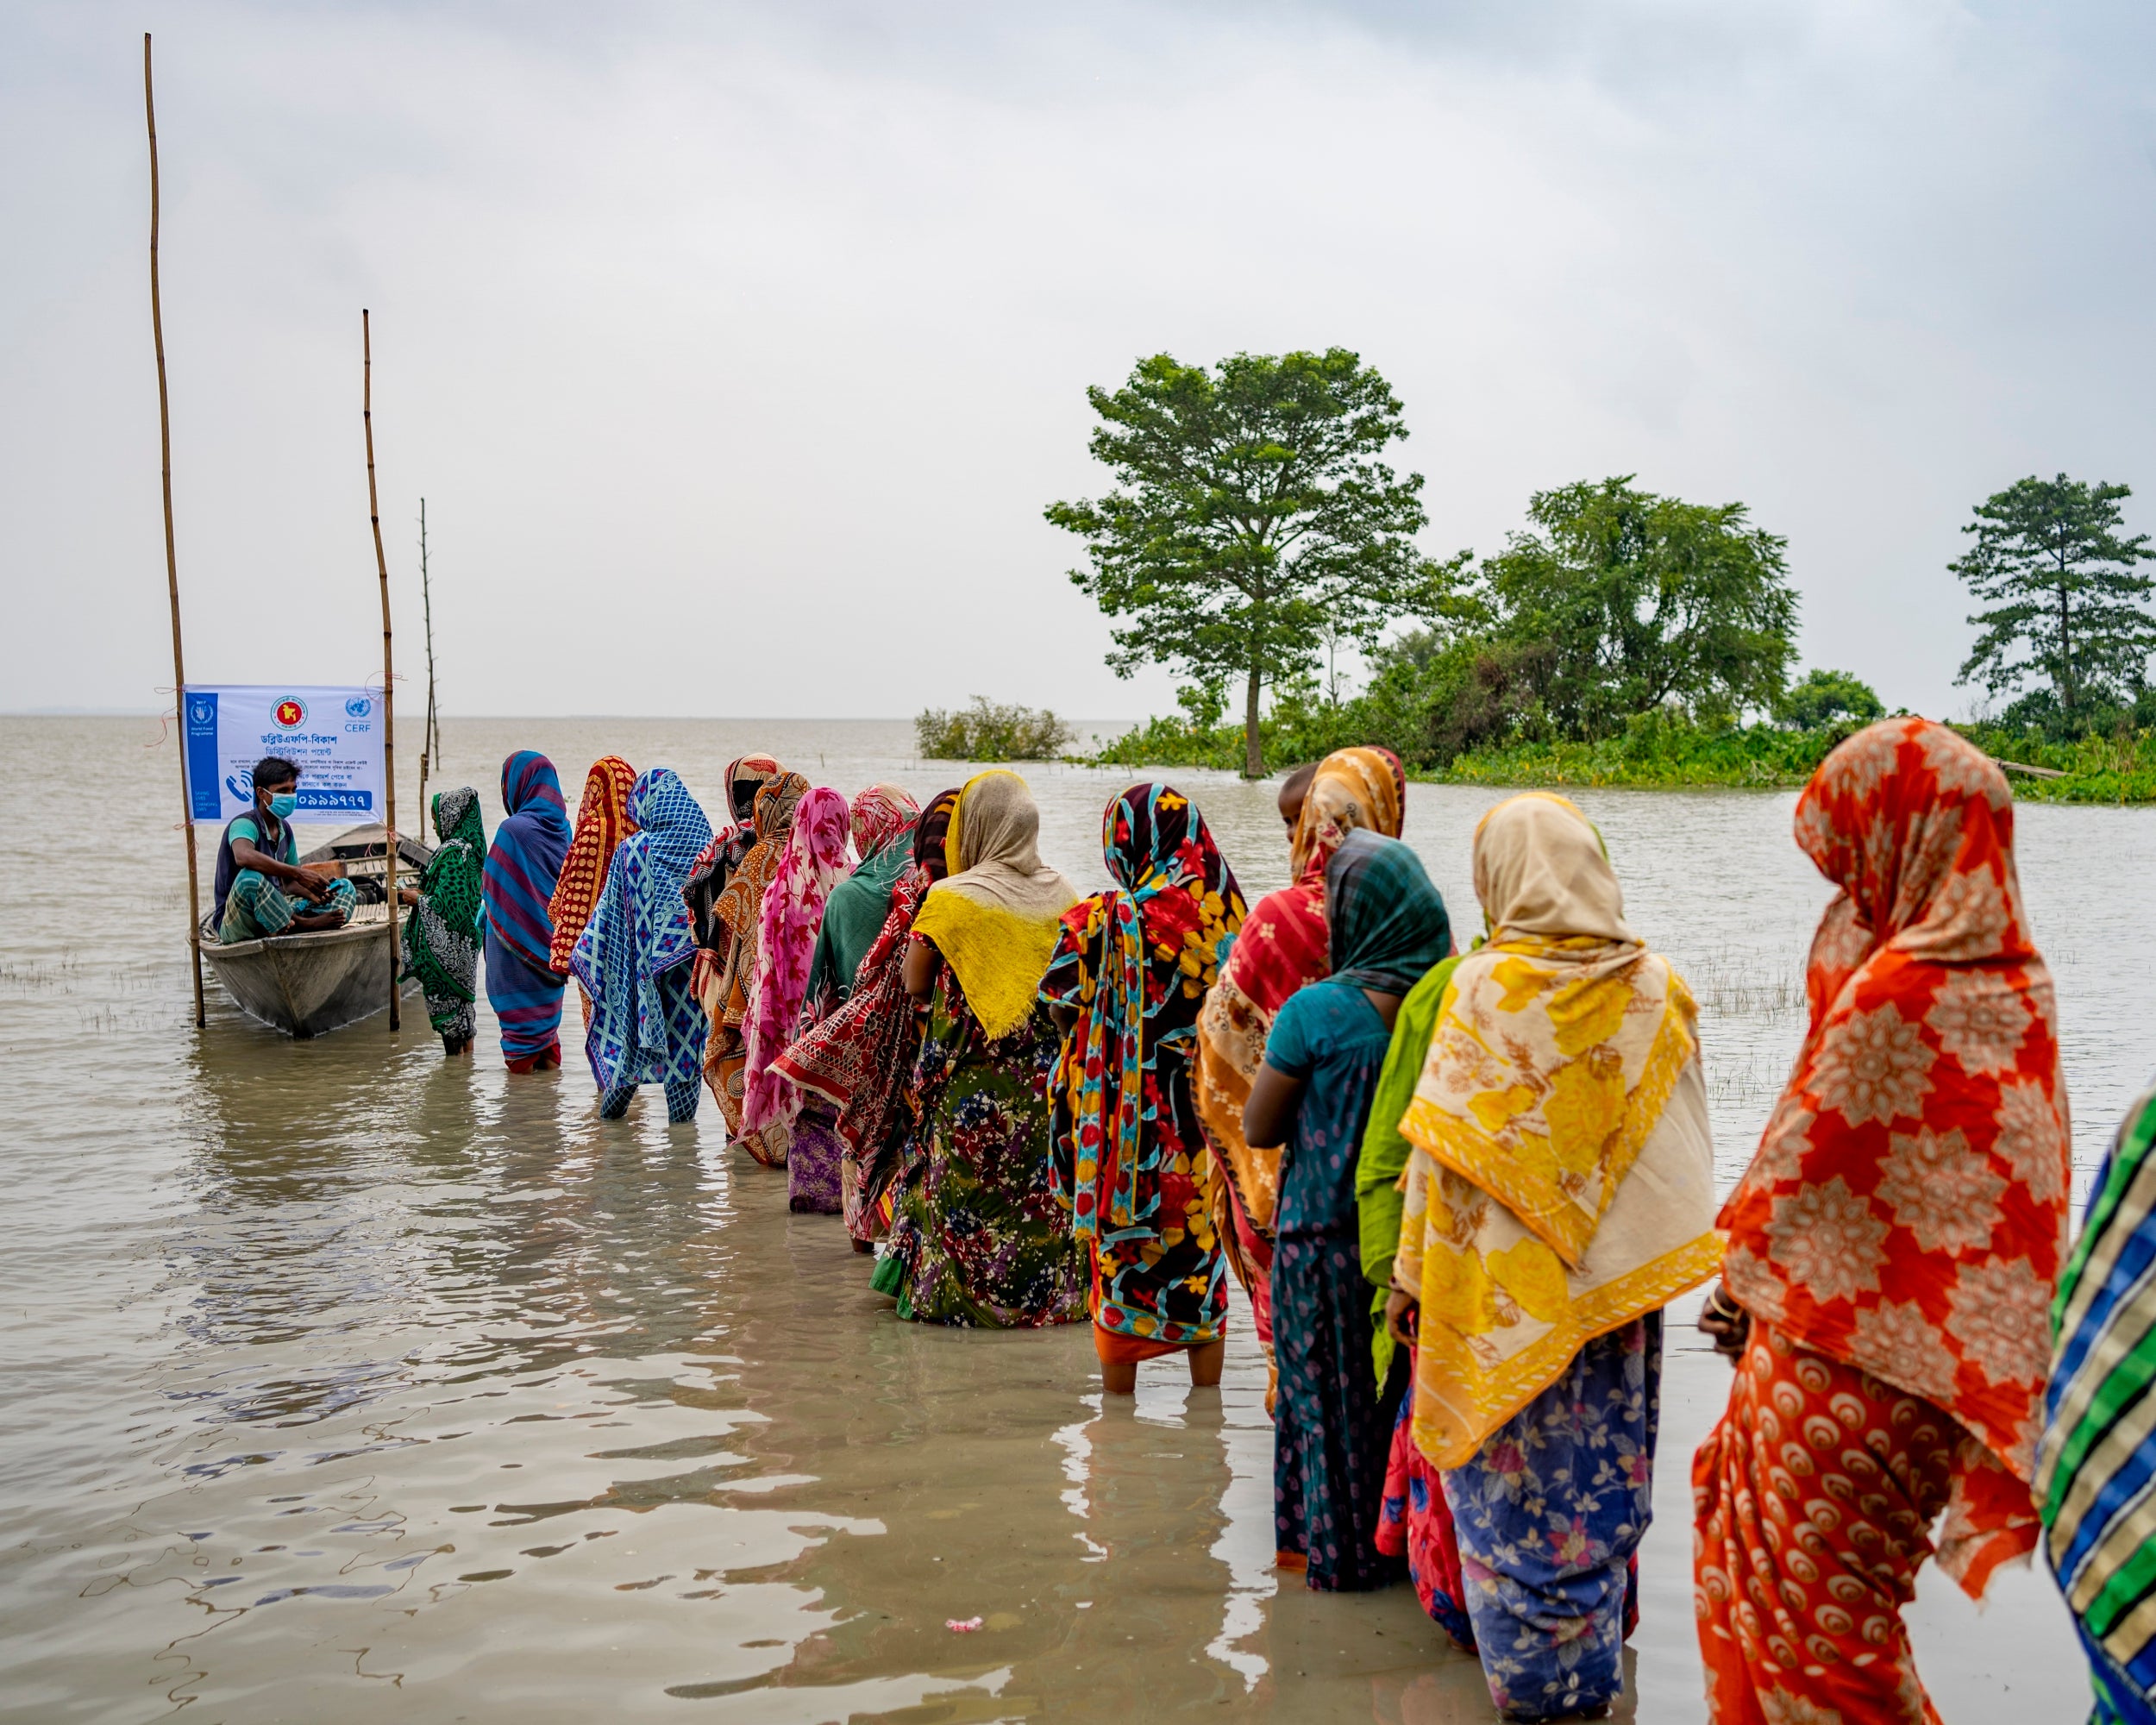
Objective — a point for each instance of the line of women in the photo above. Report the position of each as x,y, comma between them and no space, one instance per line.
1460,1188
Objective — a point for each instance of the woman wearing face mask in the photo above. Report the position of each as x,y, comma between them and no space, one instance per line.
263,889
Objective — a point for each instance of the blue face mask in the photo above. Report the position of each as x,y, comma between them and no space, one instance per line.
283,803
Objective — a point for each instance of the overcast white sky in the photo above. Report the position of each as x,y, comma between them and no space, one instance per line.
737,348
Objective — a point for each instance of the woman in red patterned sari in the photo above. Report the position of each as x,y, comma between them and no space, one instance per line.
1892,1252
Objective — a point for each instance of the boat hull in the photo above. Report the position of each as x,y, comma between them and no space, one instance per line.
304,984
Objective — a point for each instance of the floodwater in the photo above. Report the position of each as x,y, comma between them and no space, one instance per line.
346,1384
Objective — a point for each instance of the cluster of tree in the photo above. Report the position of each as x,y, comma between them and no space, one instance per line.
990,730
1254,527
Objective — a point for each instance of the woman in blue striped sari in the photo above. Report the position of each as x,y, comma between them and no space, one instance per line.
2096,1469
522,869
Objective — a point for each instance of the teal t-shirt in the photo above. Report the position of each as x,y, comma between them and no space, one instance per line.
249,827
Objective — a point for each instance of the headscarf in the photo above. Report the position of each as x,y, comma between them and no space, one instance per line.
1906,1212
639,932
525,865
856,1058
1551,1088
1388,924
1134,962
1353,788
745,775
2095,1464
995,917
883,822
602,822
932,836
813,862
1283,947
441,938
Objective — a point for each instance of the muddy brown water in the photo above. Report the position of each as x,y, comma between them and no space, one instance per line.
346,1383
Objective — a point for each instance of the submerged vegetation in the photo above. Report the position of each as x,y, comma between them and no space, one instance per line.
988,730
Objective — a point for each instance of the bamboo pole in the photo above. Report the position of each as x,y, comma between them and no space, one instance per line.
172,560
389,704
431,734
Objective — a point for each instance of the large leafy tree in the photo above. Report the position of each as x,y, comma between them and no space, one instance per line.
1252,519
2068,599
1643,600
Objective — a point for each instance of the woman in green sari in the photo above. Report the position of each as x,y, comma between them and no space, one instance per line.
441,937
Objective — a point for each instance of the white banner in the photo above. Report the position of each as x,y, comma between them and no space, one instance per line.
333,736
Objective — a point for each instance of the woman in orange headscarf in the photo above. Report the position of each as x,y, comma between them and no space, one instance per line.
602,822
1282,946
1892,1251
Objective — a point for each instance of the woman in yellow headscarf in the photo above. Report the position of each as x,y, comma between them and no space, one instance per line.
1560,1193
977,1237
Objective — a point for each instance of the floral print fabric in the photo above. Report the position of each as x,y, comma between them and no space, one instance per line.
1906,1213
1549,1517
1134,963
1414,1521
977,1237
1814,1496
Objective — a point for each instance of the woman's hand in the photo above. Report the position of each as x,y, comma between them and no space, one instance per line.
408,895
1401,1313
919,973
1725,1323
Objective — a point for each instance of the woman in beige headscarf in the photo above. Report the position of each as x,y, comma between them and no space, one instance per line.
1282,947
1560,1193
977,1237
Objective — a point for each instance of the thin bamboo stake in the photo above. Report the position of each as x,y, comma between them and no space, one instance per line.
172,560
389,686
430,735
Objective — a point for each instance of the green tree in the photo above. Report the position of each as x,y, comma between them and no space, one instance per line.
1251,515
2068,598
1644,600
1822,697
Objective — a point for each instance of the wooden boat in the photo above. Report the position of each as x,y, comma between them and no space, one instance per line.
304,984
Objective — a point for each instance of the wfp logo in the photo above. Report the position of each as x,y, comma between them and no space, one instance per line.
201,711
358,707
290,713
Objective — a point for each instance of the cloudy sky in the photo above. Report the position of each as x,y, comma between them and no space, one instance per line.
737,348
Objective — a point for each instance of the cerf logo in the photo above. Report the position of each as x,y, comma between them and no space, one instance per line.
290,713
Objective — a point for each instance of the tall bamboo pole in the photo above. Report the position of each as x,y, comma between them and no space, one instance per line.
430,733
172,560
389,686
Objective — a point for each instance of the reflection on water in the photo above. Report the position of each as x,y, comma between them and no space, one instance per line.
346,1380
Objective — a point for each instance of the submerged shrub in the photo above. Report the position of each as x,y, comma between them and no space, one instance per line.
990,731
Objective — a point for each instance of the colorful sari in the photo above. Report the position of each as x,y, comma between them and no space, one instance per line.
1130,1164
857,1060
602,822
1280,948
524,867
977,1237
813,862
633,956
883,818
2095,1465
1334,1424
1895,1242
1559,1193
725,971
442,936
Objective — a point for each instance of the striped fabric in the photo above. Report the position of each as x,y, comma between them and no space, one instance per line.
2096,1467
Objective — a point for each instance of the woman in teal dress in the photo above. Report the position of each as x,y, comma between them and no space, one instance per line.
1334,1424
977,1238
442,936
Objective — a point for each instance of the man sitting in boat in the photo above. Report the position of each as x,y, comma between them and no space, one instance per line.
263,888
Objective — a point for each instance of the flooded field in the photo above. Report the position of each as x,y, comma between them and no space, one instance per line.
347,1385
